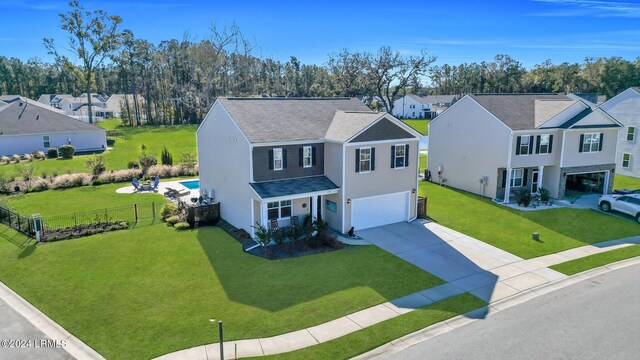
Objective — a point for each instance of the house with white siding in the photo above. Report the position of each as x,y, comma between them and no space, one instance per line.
625,108
27,126
272,160
422,107
493,144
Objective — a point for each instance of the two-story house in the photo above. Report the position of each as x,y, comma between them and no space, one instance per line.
625,108
491,144
422,107
270,159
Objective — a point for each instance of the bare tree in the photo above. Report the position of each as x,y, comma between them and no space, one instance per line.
93,35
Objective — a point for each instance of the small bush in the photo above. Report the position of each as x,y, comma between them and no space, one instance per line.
166,157
545,196
52,153
133,165
168,210
5,159
70,180
67,151
38,155
96,165
522,196
172,220
146,161
119,175
111,141
163,170
97,182
15,157
26,157
182,226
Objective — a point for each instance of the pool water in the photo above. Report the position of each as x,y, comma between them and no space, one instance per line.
192,185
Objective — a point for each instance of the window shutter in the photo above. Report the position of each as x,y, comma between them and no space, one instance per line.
284,158
357,160
581,142
300,157
530,144
373,159
393,156
600,145
406,155
550,143
538,144
313,156
525,175
271,159
518,145
504,179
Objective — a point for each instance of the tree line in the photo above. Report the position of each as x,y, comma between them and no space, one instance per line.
180,79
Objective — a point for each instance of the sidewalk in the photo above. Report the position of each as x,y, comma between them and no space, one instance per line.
491,274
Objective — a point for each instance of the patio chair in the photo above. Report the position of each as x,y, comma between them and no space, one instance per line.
135,184
273,224
184,193
294,220
171,192
156,182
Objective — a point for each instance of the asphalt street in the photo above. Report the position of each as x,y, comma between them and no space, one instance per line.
20,340
598,318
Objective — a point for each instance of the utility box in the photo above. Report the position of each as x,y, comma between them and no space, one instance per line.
36,220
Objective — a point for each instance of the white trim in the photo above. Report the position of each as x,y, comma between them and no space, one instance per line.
407,198
507,186
298,196
304,148
359,160
607,176
417,183
628,161
634,133
529,145
394,120
564,133
344,173
405,156
285,143
390,141
597,135
251,163
566,109
56,132
253,220
537,182
281,151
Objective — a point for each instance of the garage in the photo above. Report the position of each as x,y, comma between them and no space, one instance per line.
586,183
379,210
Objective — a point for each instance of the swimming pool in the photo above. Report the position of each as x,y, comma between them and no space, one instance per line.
192,185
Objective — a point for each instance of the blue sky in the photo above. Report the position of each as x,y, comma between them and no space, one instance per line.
530,31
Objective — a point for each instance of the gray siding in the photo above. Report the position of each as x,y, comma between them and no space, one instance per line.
626,109
261,171
382,130
334,170
572,157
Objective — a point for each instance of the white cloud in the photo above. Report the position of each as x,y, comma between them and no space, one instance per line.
591,8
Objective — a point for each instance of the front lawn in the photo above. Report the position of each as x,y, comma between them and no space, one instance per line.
419,125
177,139
596,260
511,230
626,182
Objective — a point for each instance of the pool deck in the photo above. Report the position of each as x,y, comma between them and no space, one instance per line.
163,187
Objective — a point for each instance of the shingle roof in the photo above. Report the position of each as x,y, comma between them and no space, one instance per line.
271,189
27,117
287,119
517,111
346,124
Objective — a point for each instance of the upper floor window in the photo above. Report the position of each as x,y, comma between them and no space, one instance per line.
365,159
524,145
45,141
307,156
399,156
544,144
278,163
631,133
626,160
591,142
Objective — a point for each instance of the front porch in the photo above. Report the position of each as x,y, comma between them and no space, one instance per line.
513,179
282,201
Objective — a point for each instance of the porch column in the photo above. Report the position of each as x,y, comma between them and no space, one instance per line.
507,189
540,174
314,208
263,214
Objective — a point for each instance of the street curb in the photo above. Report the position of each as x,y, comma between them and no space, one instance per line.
443,327
74,346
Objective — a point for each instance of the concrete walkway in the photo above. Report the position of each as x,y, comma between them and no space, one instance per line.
467,264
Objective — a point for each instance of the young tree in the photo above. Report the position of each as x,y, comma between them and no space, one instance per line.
93,35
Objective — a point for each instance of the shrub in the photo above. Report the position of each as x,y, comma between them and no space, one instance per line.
133,165
26,157
70,180
262,234
172,220
278,236
97,182
96,165
147,161
38,155
545,196
182,226
522,196
52,153
27,174
166,157
119,175
164,171
67,151
5,159
189,161
168,210
111,141
15,157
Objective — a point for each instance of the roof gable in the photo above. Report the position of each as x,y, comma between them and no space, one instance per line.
384,129
347,124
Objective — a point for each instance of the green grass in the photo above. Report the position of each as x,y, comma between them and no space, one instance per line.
177,139
419,125
374,336
110,124
510,229
626,182
596,260
422,162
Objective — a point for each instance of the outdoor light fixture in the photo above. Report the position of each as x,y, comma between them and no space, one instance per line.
413,191
348,201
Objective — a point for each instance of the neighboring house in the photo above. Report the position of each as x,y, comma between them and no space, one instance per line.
422,107
116,105
53,100
78,108
272,158
492,144
625,108
27,125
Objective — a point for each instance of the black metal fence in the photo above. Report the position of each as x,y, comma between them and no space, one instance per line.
16,221
131,214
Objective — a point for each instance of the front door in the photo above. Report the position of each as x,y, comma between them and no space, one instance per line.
535,174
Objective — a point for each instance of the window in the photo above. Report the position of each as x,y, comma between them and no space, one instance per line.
365,160
277,159
399,156
45,141
544,144
279,209
626,160
331,206
591,142
306,156
523,146
517,176
631,133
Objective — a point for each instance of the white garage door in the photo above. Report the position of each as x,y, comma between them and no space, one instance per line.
379,210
